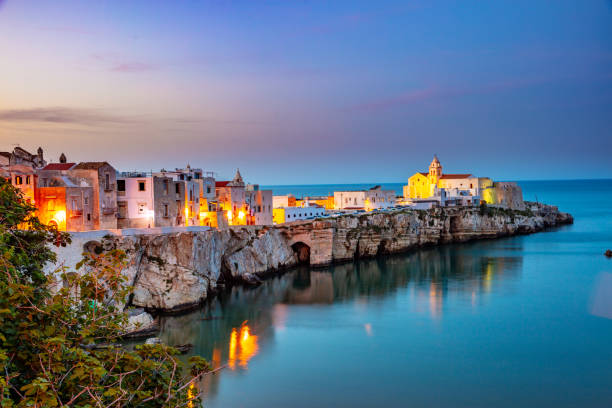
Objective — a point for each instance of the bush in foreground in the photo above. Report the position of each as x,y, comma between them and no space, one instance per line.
57,346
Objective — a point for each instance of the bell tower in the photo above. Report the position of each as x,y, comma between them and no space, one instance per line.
435,171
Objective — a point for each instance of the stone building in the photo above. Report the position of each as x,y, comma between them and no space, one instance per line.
23,157
98,209
102,177
144,200
23,177
259,205
187,184
368,200
242,204
67,206
426,185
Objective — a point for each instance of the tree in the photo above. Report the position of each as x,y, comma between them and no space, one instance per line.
58,331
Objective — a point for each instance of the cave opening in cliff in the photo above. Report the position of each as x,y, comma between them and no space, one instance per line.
302,251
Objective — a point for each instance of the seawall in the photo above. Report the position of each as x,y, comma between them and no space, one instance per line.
176,270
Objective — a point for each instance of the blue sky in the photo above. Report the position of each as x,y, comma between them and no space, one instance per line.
313,92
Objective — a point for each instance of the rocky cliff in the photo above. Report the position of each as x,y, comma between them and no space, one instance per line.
175,271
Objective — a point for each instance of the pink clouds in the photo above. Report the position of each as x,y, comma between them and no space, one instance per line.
119,63
133,67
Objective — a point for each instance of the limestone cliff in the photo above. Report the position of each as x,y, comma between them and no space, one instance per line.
175,271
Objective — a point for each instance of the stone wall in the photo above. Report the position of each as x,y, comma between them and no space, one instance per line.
173,271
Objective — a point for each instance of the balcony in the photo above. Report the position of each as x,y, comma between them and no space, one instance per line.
76,213
109,211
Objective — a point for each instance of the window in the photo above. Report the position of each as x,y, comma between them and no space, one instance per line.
190,194
181,177
208,189
177,188
165,187
141,185
120,185
74,203
142,207
86,200
166,212
107,181
18,180
88,217
45,182
27,179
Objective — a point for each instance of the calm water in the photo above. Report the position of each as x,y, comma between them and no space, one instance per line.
507,323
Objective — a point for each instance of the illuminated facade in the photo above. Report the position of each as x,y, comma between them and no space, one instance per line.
288,214
242,204
144,200
71,199
427,185
187,193
102,177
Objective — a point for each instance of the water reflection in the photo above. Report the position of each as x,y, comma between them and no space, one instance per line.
242,347
237,326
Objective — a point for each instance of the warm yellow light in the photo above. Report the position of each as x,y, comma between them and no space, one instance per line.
242,347
190,395
232,349
229,215
241,215
60,216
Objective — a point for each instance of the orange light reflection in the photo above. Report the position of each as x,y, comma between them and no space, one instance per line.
242,347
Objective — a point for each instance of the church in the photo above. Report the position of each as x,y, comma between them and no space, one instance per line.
426,185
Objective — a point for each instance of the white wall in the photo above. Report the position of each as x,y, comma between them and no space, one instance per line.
357,199
139,203
280,201
301,213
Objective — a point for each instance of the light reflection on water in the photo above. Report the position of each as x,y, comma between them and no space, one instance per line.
236,326
518,322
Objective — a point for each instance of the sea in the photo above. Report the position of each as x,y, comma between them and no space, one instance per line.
524,321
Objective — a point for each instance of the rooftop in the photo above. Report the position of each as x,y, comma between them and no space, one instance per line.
455,176
58,166
90,165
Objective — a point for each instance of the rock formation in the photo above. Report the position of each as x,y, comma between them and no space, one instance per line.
175,271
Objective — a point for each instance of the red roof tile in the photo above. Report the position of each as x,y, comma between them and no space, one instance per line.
455,176
90,165
58,166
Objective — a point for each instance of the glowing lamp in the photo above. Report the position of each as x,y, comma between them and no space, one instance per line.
60,216
241,215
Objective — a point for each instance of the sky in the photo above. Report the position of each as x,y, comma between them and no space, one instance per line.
313,92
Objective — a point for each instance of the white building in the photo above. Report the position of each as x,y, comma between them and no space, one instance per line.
372,199
259,204
135,203
288,214
283,201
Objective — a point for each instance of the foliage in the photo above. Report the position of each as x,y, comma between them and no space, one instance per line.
58,335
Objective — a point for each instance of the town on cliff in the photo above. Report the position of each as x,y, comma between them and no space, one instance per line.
85,196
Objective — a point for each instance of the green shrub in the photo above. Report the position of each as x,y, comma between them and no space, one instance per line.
58,331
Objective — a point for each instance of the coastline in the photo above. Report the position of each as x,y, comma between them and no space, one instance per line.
174,272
